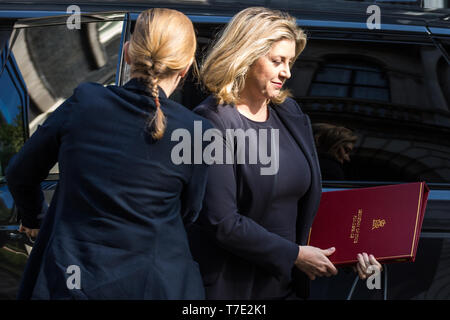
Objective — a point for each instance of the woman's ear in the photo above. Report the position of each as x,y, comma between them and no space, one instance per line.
185,70
126,55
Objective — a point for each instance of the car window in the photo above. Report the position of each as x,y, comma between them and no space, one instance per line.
54,59
12,103
443,70
193,92
380,110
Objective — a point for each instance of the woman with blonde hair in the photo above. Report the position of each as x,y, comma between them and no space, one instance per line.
251,235
115,228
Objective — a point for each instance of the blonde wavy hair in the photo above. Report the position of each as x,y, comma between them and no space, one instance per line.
249,35
163,43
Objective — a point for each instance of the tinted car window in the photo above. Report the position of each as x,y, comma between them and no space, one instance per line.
54,60
12,103
350,78
392,96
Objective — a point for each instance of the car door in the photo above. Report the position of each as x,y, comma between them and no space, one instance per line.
390,88
42,62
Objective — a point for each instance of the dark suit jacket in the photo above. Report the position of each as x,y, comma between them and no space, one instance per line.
236,254
119,209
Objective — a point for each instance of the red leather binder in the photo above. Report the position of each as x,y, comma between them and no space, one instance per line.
384,221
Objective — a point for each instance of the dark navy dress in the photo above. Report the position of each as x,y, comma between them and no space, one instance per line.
121,205
292,181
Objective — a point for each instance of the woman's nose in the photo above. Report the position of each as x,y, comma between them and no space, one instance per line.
286,72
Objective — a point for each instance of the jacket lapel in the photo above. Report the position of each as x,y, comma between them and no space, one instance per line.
300,128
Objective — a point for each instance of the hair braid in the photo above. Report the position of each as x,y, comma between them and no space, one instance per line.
158,122
163,43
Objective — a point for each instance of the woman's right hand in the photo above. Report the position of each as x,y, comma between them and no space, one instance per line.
314,262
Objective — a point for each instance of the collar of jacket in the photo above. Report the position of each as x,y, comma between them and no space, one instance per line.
299,126
135,84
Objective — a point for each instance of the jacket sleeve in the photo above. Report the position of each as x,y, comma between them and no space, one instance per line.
238,233
194,190
31,165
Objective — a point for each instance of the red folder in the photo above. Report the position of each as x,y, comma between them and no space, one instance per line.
384,221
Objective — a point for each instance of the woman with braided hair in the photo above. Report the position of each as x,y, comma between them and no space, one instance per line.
115,228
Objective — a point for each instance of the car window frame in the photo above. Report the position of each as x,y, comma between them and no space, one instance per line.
56,20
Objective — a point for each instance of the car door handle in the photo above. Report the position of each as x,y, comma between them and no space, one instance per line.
15,236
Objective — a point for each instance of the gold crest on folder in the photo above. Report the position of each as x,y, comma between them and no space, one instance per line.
378,223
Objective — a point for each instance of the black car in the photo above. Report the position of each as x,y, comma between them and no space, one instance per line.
389,84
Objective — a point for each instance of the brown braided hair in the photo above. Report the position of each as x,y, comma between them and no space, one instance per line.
163,43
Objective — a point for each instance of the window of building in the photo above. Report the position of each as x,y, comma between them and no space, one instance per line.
350,79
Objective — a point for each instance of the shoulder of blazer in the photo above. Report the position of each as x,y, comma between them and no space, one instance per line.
90,92
183,112
87,93
88,87
290,106
222,116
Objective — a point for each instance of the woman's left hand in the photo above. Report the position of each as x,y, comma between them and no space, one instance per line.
366,265
31,233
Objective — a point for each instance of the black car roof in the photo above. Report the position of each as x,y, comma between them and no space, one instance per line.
337,13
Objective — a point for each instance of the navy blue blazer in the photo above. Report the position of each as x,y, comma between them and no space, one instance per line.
235,253
121,204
